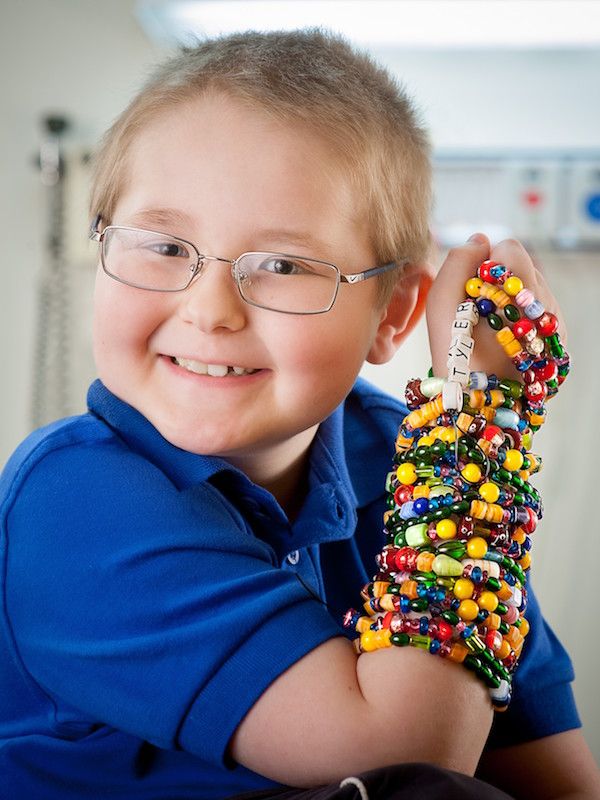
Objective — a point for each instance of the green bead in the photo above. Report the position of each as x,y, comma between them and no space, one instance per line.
461,507
446,566
476,455
454,549
511,313
422,642
519,498
493,584
472,662
450,617
504,628
495,322
416,535
510,387
474,644
420,604
399,540
390,503
438,448
400,639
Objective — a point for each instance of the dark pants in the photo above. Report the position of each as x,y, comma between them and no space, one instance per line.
402,782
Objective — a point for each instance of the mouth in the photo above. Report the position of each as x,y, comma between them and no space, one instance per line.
214,370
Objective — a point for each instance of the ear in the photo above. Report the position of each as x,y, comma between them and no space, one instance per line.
403,311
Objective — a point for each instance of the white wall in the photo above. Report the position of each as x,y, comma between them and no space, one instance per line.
84,59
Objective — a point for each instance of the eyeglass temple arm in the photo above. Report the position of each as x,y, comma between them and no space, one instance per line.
94,232
370,273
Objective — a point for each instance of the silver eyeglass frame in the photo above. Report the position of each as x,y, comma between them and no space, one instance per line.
196,269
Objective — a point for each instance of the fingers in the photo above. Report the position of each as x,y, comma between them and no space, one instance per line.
448,290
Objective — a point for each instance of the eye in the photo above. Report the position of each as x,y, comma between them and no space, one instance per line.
168,249
279,265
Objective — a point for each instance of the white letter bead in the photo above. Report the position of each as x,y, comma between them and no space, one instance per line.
458,373
452,396
461,347
462,327
468,311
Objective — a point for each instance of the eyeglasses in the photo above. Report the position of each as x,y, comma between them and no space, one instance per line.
274,281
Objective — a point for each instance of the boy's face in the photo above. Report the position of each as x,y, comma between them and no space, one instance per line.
231,180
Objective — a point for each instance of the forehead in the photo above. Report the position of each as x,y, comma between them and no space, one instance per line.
223,163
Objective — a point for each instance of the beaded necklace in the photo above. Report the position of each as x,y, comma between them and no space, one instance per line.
452,576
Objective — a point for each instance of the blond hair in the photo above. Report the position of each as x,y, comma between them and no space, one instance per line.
315,78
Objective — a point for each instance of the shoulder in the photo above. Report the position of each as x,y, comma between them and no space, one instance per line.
367,403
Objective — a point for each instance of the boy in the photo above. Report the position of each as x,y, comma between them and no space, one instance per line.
177,560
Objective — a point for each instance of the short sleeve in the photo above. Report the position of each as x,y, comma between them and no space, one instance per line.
543,703
152,610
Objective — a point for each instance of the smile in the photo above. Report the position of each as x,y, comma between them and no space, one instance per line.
214,370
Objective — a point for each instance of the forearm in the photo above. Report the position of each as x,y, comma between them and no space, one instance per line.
334,714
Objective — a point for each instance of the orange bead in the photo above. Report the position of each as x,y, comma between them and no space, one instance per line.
525,562
524,627
504,650
458,653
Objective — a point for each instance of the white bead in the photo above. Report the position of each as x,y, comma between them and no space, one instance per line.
502,693
478,380
535,346
462,327
461,346
452,396
491,567
430,387
468,311
458,373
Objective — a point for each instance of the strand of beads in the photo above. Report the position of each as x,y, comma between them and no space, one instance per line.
460,512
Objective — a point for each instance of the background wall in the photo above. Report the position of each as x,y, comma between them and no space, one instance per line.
84,60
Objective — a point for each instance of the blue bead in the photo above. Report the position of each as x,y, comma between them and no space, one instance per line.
485,306
437,471
404,603
476,575
454,605
435,645
407,510
534,310
493,381
423,625
421,505
468,631
510,579
447,500
434,504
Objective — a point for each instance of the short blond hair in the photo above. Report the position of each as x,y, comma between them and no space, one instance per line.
316,78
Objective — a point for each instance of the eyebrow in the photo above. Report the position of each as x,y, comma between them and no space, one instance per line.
173,216
161,216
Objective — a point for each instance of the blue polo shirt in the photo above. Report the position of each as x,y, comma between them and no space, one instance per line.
150,596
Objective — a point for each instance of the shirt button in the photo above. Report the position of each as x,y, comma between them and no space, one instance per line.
293,558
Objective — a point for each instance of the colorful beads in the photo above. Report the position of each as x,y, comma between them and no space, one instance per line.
460,508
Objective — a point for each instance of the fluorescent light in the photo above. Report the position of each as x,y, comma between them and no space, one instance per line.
423,24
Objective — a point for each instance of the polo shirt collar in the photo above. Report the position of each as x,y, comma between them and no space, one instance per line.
329,511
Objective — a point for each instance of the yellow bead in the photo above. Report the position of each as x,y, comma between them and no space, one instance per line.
471,473
525,562
468,610
473,287
504,650
524,474
477,547
448,435
425,441
407,473
368,641
422,490
446,529
524,627
513,461
489,491
513,286
463,589
488,601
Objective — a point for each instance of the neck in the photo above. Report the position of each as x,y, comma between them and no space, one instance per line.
282,470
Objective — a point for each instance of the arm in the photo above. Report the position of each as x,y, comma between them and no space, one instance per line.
559,767
333,714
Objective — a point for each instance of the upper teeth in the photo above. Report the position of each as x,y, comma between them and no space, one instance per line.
215,370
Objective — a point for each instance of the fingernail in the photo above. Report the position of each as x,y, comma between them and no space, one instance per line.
476,238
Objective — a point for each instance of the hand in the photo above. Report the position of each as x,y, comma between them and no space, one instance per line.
449,289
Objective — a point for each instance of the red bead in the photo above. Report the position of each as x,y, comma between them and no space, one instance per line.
547,324
403,494
484,271
535,391
522,327
532,522
444,630
548,372
491,432
406,559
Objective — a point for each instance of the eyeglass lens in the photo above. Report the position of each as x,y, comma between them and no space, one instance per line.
270,280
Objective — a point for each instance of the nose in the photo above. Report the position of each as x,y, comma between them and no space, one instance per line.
213,300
